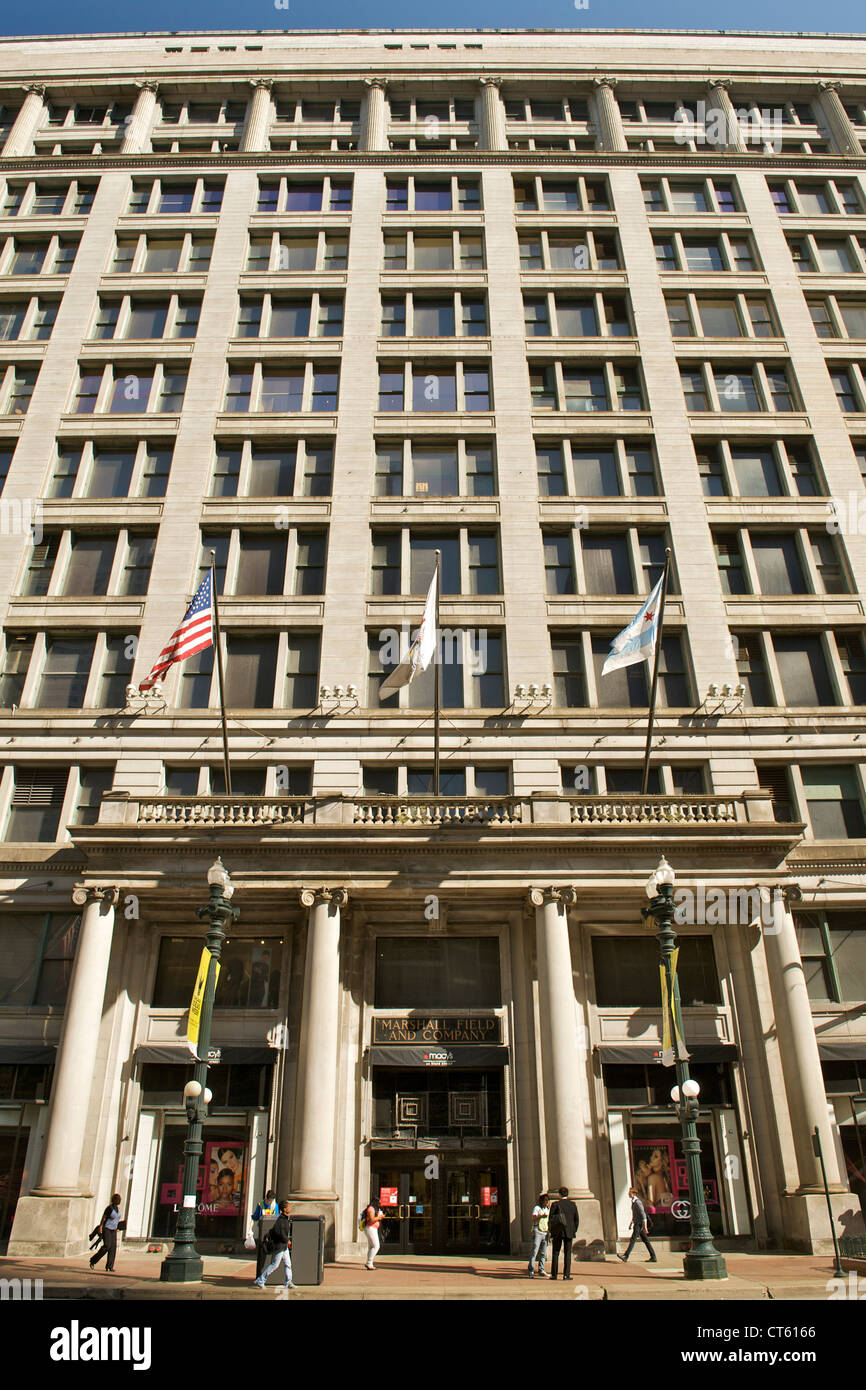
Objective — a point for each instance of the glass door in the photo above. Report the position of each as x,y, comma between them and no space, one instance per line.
406,1196
13,1150
474,1215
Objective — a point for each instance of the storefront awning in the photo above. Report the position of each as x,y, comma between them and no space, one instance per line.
438,1056
841,1051
651,1052
23,1053
182,1057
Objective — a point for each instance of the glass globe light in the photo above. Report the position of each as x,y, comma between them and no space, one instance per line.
691,1089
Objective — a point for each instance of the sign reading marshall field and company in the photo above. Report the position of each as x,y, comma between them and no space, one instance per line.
412,1031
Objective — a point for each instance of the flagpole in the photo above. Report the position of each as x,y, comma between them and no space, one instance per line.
655,680
219,656
437,677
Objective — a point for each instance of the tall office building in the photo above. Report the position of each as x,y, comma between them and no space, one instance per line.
550,303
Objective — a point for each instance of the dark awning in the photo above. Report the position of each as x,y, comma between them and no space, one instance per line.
28,1052
436,1055
651,1052
182,1057
841,1051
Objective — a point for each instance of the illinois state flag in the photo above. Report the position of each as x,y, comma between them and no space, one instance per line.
420,654
637,642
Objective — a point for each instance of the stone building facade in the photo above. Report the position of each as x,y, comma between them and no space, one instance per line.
323,303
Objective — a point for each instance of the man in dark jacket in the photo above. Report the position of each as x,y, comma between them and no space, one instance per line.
280,1241
564,1222
639,1227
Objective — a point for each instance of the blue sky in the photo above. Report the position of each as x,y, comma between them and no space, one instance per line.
107,16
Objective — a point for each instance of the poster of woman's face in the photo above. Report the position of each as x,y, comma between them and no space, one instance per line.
652,1166
224,1165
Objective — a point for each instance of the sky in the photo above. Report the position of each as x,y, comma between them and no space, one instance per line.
107,16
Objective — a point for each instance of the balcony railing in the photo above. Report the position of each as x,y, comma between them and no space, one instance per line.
749,811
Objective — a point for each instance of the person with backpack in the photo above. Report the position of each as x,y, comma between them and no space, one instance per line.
540,1225
564,1221
371,1218
268,1207
277,1244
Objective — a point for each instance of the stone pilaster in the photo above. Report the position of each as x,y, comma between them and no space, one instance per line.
374,116
318,1055
608,121
257,131
841,128
140,123
19,141
563,1060
723,130
491,126
54,1218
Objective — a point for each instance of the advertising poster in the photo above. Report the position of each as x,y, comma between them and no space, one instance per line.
654,1173
388,1196
224,1164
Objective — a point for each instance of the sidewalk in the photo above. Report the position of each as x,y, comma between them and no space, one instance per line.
763,1276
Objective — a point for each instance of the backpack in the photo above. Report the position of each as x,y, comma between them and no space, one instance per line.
362,1219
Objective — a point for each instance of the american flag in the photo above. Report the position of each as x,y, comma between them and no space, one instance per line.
194,634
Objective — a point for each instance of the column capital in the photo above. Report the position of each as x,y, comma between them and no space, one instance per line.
381,82
554,893
829,85
38,89
266,82
84,893
313,897
149,84
490,81
602,81
724,82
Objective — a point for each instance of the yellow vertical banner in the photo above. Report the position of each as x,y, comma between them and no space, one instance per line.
682,1051
667,1048
197,1000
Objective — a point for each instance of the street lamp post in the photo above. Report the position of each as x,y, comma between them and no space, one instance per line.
183,1265
703,1260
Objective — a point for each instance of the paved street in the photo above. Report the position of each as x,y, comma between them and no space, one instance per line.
751,1277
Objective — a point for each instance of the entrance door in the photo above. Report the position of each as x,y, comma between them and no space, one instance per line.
462,1211
13,1151
473,1214
406,1197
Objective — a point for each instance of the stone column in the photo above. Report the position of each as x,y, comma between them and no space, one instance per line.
723,130
841,128
138,127
316,1095
374,117
55,1217
257,131
19,141
491,126
801,1065
608,122
562,1061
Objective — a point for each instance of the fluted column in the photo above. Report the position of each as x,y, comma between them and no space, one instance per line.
842,131
798,1046
491,127
19,141
724,131
140,123
374,117
76,1057
316,1096
562,1061
257,131
608,121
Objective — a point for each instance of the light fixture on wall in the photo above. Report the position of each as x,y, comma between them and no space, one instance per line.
721,700
534,697
338,697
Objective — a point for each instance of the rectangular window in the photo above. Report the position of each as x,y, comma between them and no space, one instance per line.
778,564
261,564
558,564
272,471
251,664
302,670
36,803
66,672
425,972
90,563
833,801
803,670
625,969
282,390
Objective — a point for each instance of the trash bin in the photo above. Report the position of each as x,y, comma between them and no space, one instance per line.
308,1249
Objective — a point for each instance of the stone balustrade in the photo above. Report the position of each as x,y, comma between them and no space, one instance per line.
639,810
222,810
397,810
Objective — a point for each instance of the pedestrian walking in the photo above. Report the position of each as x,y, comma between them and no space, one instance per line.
109,1224
267,1207
639,1226
278,1244
540,1223
372,1217
563,1223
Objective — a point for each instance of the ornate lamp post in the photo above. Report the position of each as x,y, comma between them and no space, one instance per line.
703,1260
183,1265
